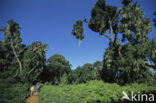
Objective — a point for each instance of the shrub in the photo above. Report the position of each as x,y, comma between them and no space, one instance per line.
90,92
15,93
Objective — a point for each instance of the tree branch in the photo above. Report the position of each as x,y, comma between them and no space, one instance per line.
151,66
116,15
106,36
111,31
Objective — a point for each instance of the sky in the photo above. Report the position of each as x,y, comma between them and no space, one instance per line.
51,22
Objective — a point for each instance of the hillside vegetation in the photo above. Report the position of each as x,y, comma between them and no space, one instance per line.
90,92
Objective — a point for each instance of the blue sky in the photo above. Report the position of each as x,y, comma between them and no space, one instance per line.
51,21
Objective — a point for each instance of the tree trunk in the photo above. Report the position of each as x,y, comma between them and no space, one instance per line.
111,31
79,42
19,62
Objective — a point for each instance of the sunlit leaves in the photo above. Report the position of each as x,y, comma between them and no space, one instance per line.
34,61
78,30
134,25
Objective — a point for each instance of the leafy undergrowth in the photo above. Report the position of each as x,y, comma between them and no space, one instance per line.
90,92
15,93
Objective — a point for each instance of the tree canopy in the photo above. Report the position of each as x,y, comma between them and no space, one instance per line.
128,53
57,65
78,31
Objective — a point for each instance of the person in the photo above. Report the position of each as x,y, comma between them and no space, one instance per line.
36,88
32,88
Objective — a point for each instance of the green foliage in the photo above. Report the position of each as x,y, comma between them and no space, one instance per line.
133,25
125,64
78,30
34,61
90,92
82,74
126,60
64,79
13,93
101,15
87,73
57,65
7,66
11,54
19,64
12,42
98,69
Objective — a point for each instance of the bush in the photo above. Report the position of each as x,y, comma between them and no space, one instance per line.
15,93
90,92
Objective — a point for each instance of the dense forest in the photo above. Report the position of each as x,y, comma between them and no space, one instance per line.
128,62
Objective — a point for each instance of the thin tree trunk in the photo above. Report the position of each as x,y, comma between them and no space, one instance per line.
19,62
79,42
111,31
106,36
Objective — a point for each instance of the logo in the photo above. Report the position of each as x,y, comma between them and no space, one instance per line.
137,96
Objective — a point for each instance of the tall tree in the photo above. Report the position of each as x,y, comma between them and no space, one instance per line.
82,74
12,39
87,73
129,22
34,61
11,68
57,66
78,31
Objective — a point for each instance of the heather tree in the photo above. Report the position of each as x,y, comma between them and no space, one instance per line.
126,58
